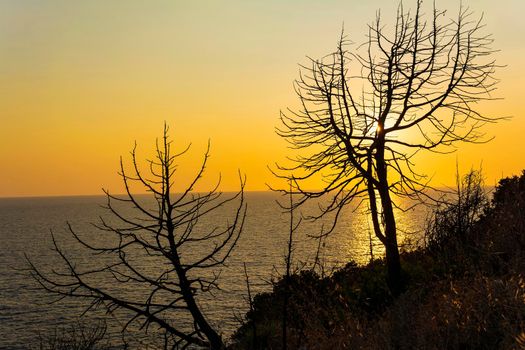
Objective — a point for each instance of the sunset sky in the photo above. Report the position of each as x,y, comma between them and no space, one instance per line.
80,81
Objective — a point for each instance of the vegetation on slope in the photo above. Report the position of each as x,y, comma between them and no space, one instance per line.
464,289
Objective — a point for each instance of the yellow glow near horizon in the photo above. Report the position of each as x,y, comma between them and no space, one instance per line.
81,81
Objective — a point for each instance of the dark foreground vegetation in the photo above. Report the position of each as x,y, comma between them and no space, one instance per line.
464,288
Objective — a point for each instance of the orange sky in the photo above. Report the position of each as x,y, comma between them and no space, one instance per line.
80,81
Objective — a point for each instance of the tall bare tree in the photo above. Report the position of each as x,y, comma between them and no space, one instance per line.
161,251
366,113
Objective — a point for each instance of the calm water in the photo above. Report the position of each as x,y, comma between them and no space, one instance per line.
25,225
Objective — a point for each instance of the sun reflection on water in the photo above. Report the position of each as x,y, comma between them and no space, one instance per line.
262,247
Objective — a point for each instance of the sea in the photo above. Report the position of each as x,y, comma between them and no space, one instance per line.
29,315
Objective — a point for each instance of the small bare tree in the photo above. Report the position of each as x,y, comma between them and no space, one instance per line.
288,264
161,251
366,114
454,217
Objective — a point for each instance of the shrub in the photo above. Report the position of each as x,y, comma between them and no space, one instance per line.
79,336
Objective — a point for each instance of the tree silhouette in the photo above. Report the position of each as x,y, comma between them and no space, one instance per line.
365,114
160,249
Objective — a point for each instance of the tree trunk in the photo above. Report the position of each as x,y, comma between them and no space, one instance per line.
393,262
394,277
212,336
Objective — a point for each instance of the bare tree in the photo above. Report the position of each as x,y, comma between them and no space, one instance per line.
365,114
161,251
